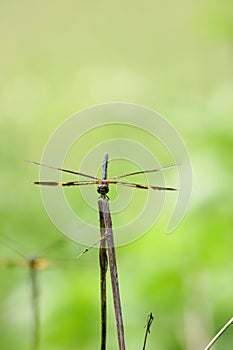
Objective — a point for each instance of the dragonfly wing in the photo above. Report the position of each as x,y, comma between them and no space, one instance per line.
146,171
64,170
65,183
145,187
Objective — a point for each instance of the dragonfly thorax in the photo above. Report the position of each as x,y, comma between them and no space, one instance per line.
102,189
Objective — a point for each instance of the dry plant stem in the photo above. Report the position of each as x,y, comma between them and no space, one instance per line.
103,260
148,325
35,305
230,322
104,208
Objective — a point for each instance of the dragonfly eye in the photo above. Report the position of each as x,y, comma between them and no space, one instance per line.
102,189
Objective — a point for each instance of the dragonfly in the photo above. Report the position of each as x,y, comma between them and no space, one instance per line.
103,183
106,242
34,263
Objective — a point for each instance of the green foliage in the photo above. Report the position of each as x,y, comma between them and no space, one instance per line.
60,57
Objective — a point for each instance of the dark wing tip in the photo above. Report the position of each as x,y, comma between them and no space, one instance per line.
172,189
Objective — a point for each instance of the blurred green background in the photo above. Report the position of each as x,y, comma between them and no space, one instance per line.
58,57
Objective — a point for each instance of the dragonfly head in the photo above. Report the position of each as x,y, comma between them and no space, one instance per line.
102,189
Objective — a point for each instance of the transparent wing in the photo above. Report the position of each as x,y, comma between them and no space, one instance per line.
145,171
64,170
66,183
145,187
